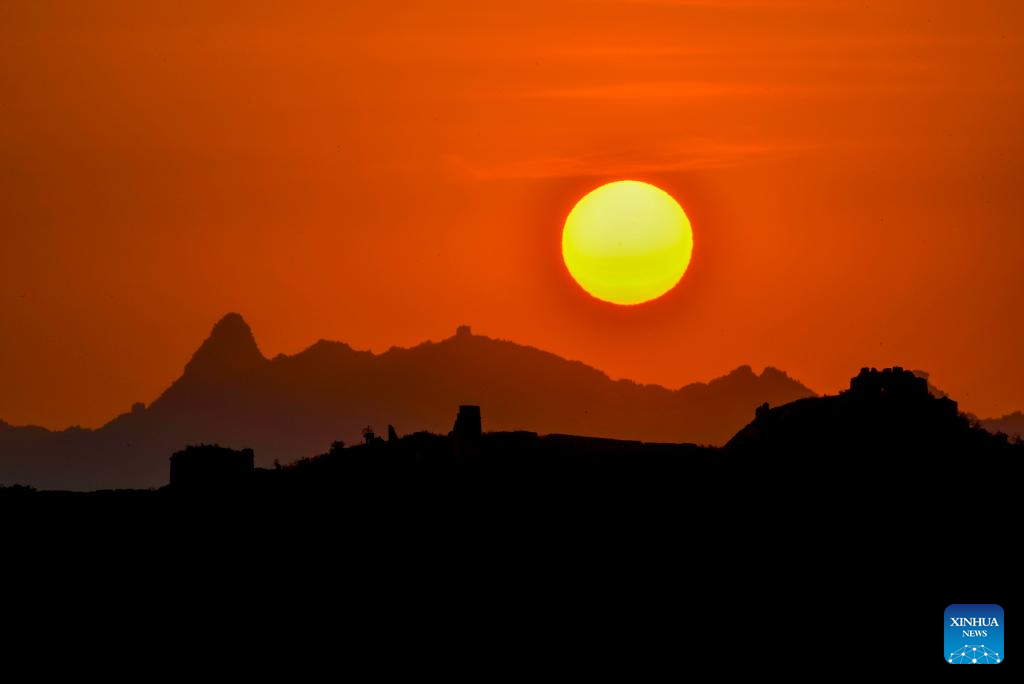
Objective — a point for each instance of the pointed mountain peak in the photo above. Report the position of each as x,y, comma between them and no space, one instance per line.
744,371
230,348
231,321
774,374
741,376
771,379
780,378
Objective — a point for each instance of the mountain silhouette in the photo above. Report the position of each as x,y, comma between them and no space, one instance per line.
294,406
891,412
885,432
229,350
1011,424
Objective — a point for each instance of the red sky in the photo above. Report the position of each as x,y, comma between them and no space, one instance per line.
379,173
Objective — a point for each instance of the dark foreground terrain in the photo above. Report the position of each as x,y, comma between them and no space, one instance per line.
531,545
885,434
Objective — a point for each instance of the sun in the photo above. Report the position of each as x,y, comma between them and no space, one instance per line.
627,242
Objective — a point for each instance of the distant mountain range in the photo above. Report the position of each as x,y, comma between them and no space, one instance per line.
294,406
1012,424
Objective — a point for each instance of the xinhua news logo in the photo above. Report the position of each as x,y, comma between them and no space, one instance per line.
972,634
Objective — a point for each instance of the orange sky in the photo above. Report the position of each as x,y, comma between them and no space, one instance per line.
381,173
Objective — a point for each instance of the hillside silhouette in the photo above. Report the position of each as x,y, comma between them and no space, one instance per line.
889,412
887,430
292,406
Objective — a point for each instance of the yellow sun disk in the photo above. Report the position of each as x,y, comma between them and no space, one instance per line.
627,242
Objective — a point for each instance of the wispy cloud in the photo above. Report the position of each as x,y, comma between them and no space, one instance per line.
770,5
650,90
685,156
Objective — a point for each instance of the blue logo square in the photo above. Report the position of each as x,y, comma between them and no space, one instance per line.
973,634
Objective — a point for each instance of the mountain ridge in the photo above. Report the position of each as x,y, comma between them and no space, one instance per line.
291,406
